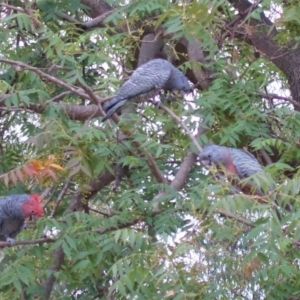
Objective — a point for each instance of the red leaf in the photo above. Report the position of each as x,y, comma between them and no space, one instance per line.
13,177
51,173
29,170
20,175
6,179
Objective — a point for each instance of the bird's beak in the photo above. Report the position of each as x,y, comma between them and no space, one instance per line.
205,162
182,94
176,92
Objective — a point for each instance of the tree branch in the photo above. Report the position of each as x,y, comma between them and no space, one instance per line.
12,7
260,34
275,96
182,174
97,8
96,21
60,196
27,242
233,217
57,262
181,123
48,77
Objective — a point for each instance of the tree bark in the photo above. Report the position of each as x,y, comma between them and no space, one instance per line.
260,34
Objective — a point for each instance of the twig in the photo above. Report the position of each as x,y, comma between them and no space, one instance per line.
94,98
265,155
149,158
27,242
12,7
151,164
16,109
100,212
67,17
157,35
181,123
121,225
60,196
155,213
233,217
46,76
45,192
275,96
58,97
43,196
90,92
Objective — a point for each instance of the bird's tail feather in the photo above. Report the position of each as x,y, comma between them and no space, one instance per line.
112,106
110,103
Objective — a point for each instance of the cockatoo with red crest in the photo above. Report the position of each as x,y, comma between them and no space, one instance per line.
14,209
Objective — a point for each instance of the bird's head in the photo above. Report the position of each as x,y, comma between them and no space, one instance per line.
32,207
183,85
212,155
178,82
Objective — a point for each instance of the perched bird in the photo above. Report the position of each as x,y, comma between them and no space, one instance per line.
14,209
148,79
238,165
235,163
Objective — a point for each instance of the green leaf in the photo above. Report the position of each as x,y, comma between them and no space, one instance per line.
81,265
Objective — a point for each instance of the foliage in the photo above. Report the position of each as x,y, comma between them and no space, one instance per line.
122,232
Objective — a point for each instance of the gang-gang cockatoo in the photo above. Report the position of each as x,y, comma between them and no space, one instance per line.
148,79
14,209
237,164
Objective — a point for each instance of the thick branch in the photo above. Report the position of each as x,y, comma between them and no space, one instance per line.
96,7
197,57
74,112
57,262
96,21
95,185
260,34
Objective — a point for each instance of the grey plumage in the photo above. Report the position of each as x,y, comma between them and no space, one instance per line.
148,79
237,161
243,164
8,208
14,209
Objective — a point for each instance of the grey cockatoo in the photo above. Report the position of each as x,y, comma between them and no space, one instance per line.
234,161
148,79
14,209
238,165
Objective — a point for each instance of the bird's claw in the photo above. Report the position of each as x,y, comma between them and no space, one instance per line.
157,104
10,240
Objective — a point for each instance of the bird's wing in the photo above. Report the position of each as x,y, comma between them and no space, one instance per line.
146,79
246,164
142,81
1,226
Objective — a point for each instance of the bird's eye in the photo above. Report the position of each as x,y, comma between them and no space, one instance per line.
208,155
